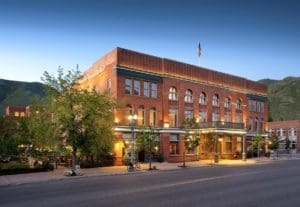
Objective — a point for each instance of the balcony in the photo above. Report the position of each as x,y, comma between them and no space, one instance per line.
221,125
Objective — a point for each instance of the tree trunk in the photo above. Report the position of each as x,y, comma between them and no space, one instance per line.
74,159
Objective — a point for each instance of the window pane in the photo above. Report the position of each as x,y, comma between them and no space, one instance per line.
128,85
153,90
136,84
173,117
152,117
203,116
146,89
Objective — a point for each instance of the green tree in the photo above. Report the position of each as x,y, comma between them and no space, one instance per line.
192,137
42,132
273,142
84,119
257,143
147,140
9,139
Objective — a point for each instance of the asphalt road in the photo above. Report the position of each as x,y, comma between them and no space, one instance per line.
271,184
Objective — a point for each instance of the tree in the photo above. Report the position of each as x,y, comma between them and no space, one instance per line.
42,131
9,139
84,119
147,140
257,143
191,139
273,142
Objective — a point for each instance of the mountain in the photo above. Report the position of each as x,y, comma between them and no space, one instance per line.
284,98
16,93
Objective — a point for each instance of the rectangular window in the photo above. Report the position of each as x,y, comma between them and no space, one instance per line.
152,118
202,116
239,118
174,144
239,144
146,89
227,117
141,116
173,117
136,87
228,145
215,117
188,114
153,90
108,85
128,86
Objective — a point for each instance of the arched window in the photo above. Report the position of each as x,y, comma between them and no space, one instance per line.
141,115
239,104
188,98
227,103
202,99
173,94
152,117
216,101
128,111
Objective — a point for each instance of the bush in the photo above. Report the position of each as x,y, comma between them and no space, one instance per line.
160,158
104,160
17,168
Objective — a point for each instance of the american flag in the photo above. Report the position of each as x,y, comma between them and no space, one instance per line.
199,49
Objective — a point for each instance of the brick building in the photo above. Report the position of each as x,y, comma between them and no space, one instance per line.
163,93
286,130
16,111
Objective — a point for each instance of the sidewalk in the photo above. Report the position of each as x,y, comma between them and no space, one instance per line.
58,174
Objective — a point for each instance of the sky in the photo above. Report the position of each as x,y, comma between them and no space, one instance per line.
253,39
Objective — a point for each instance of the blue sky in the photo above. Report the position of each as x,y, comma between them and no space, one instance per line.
253,39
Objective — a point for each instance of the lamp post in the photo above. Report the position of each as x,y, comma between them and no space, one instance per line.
132,120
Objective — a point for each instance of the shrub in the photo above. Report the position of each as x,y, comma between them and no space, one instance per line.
160,158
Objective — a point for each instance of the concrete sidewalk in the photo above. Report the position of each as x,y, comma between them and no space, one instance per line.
58,174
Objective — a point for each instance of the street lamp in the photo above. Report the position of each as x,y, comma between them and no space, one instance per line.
132,120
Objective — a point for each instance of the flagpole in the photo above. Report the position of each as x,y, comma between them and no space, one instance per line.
199,53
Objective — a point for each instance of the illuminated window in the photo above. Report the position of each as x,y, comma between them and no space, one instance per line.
173,94
22,114
17,113
202,99
152,117
174,144
228,144
128,111
173,113
141,116
188,98
239,144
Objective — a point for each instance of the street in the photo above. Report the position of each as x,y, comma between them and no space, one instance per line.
266,184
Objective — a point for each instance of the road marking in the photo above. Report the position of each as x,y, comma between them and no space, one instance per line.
170,185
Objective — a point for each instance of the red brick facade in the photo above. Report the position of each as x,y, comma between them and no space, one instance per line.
286,130
142,83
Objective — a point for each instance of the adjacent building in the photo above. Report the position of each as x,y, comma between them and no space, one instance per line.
162,93
286,131
16,111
